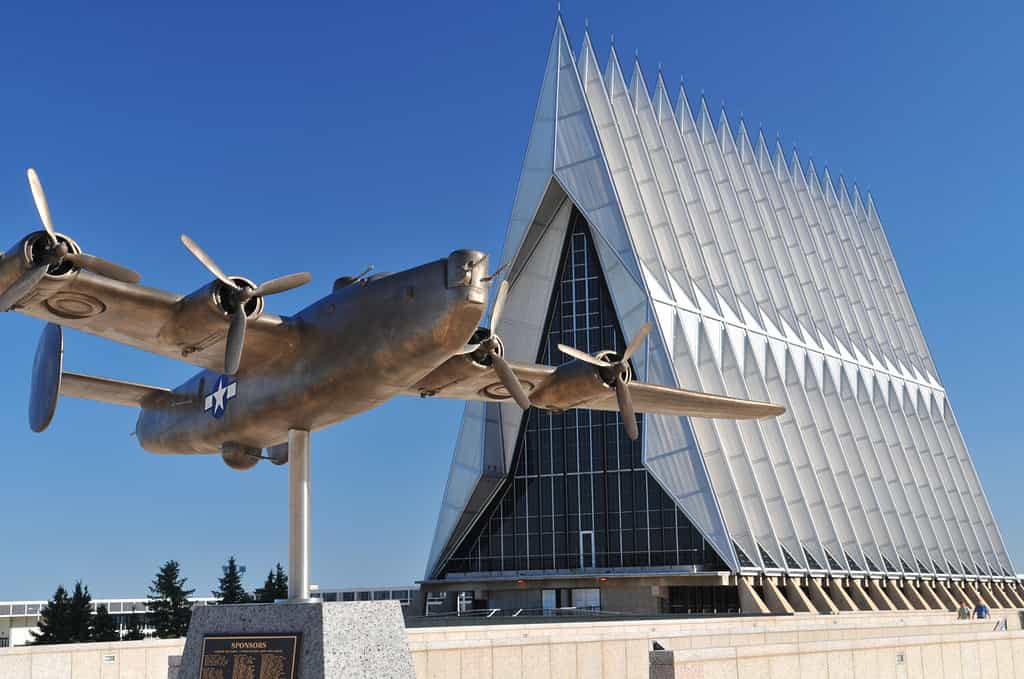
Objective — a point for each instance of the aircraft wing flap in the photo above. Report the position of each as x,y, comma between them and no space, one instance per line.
110,391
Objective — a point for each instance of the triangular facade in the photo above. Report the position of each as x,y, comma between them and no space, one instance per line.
764,280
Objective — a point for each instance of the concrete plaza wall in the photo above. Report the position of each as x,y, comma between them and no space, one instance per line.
904,644
985,655
145,659
765,647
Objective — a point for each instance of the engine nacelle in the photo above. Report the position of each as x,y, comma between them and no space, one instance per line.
26,253
576,383
459,368
195,310
238,457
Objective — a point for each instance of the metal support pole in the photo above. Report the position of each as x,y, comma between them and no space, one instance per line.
298,515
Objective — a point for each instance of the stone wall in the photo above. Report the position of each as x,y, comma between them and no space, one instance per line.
147,659
979,655
731,647
910,644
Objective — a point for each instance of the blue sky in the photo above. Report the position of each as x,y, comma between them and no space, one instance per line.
326,139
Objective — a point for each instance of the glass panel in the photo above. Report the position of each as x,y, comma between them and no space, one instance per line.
577,483
766,558
811,562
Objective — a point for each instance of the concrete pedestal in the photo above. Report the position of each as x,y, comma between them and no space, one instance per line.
357,640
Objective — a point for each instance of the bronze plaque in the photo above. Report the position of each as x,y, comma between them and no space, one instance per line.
250,656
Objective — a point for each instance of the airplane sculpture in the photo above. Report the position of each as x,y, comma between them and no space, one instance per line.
264,377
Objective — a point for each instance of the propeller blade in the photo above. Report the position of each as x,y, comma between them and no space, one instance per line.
206,261
626,409
511,382
499,305
581,356
22,286
635,343
235,342
41,206
103,267
281,284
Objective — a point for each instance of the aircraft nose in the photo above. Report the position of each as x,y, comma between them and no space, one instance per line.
467,268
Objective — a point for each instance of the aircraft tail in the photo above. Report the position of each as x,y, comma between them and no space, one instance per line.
110,391
49,381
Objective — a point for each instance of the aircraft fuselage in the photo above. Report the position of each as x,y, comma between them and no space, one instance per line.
358,347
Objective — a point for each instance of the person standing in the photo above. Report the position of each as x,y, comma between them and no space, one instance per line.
981,610
964,612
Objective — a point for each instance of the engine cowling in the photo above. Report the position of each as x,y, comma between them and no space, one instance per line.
190,326
240,458
461,367
26,253
575,383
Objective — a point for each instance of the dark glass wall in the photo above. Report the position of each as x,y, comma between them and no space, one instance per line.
578,496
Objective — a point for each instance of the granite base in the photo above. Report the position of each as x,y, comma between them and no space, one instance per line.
351,640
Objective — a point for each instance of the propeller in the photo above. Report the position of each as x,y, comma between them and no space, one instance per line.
54,253
236,297
42,207
616,373
491,347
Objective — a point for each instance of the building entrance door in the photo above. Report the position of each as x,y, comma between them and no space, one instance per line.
549,600
587,599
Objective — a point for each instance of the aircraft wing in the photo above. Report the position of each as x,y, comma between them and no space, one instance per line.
654,398
185,328
482,384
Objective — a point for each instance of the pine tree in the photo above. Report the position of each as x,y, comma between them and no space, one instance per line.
54,620
265,594
134,631
231,590
102,626
168,602
280,583
80,613
274,587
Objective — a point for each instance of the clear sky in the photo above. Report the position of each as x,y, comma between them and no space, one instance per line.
325,139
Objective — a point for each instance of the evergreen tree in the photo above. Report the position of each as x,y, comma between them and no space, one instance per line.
168,602
231,590
134,631
80,613
102,626
54,620
274,587
265,594
280,583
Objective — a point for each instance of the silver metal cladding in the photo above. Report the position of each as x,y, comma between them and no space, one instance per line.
239,457
572,383
468,269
